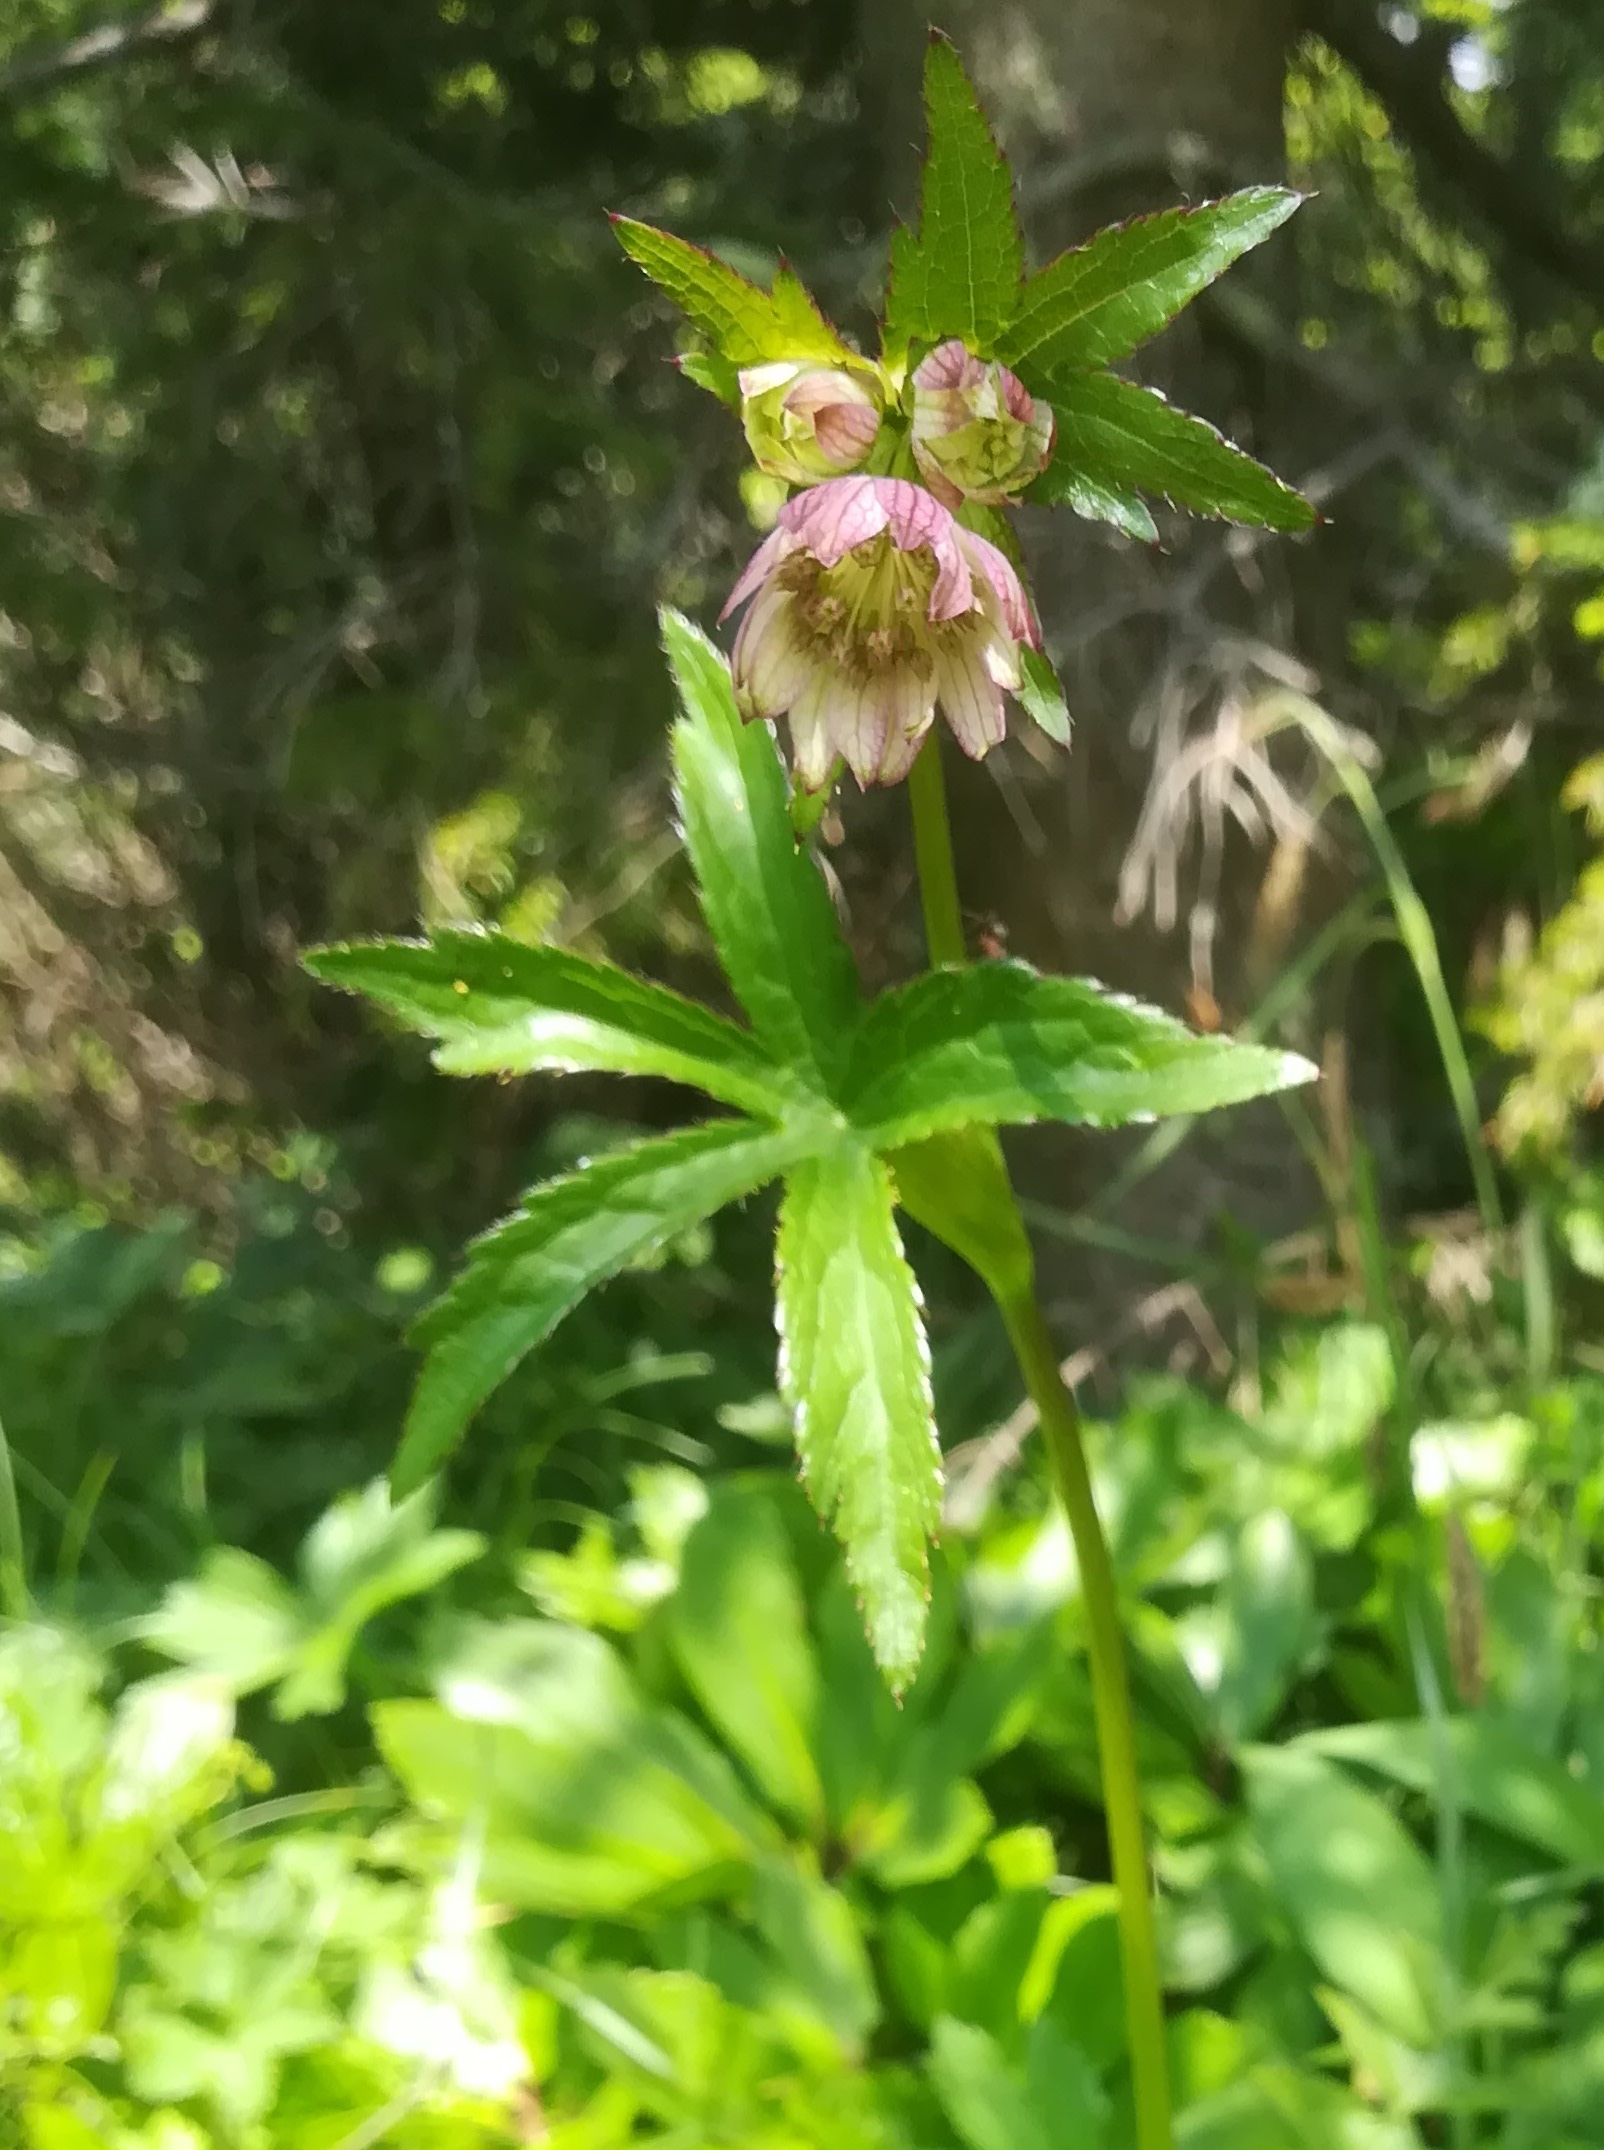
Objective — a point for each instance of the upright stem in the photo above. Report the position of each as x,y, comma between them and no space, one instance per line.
932,846
1060,1424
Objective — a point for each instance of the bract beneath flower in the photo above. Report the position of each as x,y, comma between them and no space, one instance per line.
870,607
807,423
978,433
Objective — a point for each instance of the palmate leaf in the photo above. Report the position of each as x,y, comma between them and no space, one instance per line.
499,1006
570,1235
1097,303
764,899
744,324
960,275
1119,439
855,1370
1000,1044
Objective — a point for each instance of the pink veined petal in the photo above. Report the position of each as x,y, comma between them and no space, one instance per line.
833,519
858,726
822,386
949,365
970,700
910,710
986,559
763,562
846,431
769,663
813,751
1016,396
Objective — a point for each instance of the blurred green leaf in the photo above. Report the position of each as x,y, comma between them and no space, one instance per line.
1493,1773
738,1628
1358,1892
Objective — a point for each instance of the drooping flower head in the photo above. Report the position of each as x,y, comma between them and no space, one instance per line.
978,433
871,606
805,423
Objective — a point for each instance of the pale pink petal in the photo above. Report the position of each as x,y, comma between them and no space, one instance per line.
998,570
833,519
970,700
846,431
813,749
910,707
858,725
821,387
763,562
769,663
902,751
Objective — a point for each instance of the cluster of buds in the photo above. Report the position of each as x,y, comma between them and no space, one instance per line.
872,605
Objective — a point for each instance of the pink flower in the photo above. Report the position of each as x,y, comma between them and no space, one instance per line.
978,433
870,606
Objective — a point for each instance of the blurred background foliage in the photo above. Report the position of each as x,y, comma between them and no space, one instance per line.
341,467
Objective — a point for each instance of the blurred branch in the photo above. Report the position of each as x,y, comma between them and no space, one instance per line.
1411,81
42,68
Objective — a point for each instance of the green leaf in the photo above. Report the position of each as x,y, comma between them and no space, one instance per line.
1065,484
1042,696
961,275
1494,1773
1360,1894
854,1367
765,901
569,1235
738,1629
1120,437
1244,1648
956,1185
500,1006
746,325
592,1801
241,1625
983,2098
1001,1044
1096,303
1055,2104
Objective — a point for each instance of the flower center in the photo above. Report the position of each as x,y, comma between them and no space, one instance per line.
869,614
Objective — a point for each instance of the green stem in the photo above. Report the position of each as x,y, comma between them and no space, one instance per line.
932,844
1060,1424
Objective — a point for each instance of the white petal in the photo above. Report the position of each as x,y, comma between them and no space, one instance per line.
859,724
812,750
970,700
769,663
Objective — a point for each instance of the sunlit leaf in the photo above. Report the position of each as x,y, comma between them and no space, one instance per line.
854,1367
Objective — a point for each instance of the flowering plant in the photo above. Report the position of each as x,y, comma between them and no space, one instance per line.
889,589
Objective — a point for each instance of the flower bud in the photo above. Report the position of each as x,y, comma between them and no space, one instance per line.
807,423
978,433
